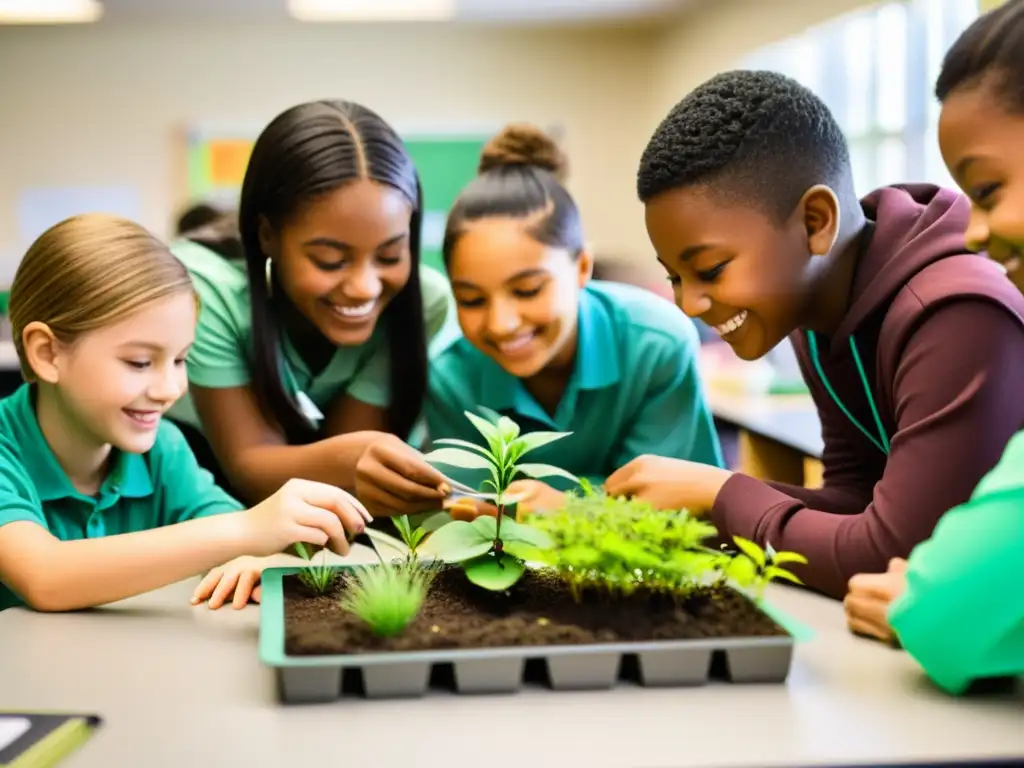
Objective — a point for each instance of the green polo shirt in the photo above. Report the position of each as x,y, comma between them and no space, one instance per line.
221,355
635,389
143,491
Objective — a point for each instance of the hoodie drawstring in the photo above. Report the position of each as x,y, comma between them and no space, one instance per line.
812,345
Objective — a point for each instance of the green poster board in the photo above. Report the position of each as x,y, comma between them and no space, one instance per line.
445,165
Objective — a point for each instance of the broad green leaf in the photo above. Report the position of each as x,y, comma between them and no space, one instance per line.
387,541
771,572
491,573
416,537
464,444
489,413
484,427
435,521
789,557
487,526
456,542
751,550
511,531
546,470
508,429
456,457
402,524
742,571
533,440
522,550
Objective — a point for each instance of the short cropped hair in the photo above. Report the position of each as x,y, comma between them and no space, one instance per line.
758,137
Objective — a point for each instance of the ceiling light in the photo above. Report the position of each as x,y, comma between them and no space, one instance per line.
50,11
371,10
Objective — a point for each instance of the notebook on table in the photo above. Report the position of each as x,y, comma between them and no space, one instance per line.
42,740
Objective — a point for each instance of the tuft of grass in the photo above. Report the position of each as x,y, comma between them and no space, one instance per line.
318,578
387,596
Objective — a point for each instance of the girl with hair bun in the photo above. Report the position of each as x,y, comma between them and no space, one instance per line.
548,346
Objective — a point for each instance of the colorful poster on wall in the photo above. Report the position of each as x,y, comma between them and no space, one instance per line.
216,165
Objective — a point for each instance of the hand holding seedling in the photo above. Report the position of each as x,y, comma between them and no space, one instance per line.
240,578
867,603
304,511
393,478
669,483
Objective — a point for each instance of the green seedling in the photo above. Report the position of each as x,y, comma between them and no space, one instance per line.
492,550
388,597
317,578
409,538
618,545
753,567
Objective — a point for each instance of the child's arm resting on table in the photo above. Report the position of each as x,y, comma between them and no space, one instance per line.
54,575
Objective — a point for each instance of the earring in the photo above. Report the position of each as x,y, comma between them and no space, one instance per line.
270,279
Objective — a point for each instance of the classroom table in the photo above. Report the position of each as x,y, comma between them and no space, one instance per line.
779,435
183,686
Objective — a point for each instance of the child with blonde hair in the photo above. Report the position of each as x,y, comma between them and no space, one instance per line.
100,499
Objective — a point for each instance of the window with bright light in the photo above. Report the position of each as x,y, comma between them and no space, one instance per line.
876,70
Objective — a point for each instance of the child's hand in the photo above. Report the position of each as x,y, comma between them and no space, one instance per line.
867,603
240,577
393,478
303,511
669,483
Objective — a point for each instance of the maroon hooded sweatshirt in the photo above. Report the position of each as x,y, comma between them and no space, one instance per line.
940,337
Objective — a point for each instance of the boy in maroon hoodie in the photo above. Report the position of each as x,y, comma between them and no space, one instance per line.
913,348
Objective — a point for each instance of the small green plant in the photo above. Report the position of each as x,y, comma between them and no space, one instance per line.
409,538
618,545
387,596
318,578
492,550
753,567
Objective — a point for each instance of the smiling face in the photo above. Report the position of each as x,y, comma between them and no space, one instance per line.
733,267
114,383
342,257
517,298
981,144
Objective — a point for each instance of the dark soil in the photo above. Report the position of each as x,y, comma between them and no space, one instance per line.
538,610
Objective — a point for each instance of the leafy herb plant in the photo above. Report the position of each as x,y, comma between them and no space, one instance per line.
618,545
387,596
409,538
492,550
753,567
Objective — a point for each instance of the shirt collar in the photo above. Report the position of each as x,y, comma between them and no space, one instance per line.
597,368
129,475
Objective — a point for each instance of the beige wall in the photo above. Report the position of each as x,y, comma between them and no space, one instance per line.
103,105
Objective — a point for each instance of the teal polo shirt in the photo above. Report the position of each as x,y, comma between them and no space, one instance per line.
635,389
143,491
221,356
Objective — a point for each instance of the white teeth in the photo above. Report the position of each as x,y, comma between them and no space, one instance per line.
731,324
516,344
361,310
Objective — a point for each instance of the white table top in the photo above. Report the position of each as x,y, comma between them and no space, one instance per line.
182,686
791,420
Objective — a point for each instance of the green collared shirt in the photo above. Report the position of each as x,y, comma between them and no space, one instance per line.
142,491
221,355
635,389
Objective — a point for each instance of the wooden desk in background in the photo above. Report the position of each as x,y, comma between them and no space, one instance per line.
779,435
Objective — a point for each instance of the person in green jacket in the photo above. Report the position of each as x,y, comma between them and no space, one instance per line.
955,605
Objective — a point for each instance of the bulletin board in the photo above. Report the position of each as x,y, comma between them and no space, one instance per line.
215,162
